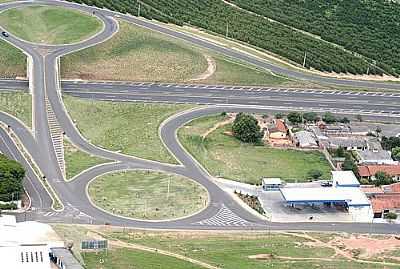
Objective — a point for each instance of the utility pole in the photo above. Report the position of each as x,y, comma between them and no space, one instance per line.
138,13
305,58
368,70
227,30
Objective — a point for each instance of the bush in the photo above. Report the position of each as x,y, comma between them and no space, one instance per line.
314,174
381,178
390,215
295,117
9,206
246,129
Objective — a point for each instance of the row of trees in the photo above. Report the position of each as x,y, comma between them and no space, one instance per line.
219,17
367,27
297,118
11,176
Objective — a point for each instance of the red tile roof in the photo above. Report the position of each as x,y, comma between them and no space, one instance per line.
371,170
382,202
394,187
280,126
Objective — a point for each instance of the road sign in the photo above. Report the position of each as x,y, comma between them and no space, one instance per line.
94,244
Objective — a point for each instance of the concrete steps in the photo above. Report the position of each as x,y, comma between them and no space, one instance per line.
57,136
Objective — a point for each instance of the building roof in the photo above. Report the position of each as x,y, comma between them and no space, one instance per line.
376,155
278,126
371,170
306,138
371,189
271,181
382,202
346,142
351,196
345,179
395,187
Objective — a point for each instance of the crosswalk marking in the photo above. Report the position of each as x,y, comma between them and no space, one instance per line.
225,217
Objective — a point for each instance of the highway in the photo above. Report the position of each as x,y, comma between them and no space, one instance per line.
51,120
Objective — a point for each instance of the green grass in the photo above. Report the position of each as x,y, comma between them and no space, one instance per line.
77,161
233,72
128,258
50,25
144,195
135,54
150,56
12,61
224,156
127,127
17,104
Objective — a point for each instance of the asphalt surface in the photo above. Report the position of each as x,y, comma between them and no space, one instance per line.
222,212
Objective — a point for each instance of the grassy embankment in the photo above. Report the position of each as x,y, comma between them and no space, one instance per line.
227,250
126,127
224,156
17,104
144,195
77,161
49,25
137,54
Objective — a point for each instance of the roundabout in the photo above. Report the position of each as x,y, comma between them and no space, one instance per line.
51,121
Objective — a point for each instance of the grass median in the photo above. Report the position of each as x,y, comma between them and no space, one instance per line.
148,195
18,104
77,161
12,61
130,128
49,25
224,156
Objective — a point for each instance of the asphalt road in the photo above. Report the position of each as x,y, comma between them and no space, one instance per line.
223,212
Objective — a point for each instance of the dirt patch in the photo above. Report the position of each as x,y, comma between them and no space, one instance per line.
262,257
369,247
229,120
212,67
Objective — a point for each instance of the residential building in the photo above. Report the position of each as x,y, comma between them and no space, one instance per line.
369,171
278,130
306,139
348,143
380,157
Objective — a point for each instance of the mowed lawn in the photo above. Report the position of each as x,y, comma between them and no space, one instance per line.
144,195
224,156
77,161
18,104
135,54
49,25
131,128
12,61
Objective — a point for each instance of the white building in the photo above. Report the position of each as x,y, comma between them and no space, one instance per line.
375,157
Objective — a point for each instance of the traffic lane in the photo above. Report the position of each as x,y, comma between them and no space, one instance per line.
223,92
37,193
291,103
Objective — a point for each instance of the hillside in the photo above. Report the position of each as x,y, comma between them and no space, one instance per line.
283,40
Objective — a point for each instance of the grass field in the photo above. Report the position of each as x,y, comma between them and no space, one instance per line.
226,250
12,61
18,105
49,25
139,54
77,161
226,157
144,195
127,127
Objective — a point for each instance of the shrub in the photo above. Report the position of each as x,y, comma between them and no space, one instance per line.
390,215
246,129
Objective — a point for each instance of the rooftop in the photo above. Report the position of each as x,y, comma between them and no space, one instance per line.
371,170
382,202
352,196
67,258
306,138
348,142
345,178
278,126
378,155
271,181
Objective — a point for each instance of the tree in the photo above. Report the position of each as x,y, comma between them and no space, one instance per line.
279,115
381,178
390,216
388,143
396,153
349,164
246,128
314,174
310,116
11,176
359,118
295,117
345,120
340,152
329,118
378,130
